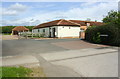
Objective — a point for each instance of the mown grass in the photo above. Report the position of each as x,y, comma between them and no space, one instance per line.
21,72
14,71
6,33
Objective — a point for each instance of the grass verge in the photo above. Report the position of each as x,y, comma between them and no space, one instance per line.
21,72
15,71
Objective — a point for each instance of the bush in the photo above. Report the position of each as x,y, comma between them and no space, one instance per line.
93,34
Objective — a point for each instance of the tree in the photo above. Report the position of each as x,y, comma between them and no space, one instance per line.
111,28
29,27
7,29
112,17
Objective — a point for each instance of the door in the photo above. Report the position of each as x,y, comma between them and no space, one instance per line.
49,32
15,32
82,35
53,32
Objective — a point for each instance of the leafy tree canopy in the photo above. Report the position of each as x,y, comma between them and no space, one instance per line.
112,17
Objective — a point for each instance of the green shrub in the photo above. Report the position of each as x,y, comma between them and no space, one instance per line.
93,34
96,38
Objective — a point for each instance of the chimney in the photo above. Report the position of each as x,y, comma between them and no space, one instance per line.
88,24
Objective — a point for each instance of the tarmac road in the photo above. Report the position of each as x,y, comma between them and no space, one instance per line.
58,55
30,46
20,47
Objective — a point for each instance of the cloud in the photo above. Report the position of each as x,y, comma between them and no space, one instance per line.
94,11
42,6
86,4
119,6
14,9
18,7
90,10
59,0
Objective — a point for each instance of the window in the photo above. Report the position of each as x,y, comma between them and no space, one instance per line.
81,28
44,30
38,30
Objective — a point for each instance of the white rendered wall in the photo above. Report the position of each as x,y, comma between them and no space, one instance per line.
47,31
41,31
68,31
61,31
35,31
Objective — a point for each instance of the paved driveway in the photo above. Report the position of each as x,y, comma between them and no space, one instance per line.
22,47
95,63
9,37
73,63
63,57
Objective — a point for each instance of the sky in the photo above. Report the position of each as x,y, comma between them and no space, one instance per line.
34,13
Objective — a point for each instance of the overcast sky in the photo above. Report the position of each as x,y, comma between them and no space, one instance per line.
34,13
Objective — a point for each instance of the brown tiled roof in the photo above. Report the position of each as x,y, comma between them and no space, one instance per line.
20,28
56,23
96,23
63,22
83,23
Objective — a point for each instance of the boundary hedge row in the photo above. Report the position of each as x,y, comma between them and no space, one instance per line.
105,34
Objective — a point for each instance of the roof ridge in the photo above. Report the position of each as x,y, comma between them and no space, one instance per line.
20,27
45,23
60,21
73,22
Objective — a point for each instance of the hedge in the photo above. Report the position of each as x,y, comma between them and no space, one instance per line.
95,34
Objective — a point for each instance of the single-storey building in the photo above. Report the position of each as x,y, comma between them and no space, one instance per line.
19,29
64,28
